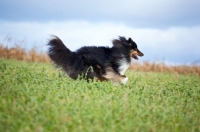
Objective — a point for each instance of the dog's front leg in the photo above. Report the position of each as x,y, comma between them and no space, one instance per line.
114,76
123,79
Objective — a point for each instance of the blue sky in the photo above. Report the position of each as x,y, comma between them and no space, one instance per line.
165,30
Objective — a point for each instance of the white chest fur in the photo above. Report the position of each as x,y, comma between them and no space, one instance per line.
124,65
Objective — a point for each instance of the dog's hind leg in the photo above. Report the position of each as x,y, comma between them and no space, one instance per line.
101,79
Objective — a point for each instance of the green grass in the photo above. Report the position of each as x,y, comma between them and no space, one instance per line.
38,97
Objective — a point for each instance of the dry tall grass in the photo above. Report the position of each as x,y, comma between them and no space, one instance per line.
161,67
20,54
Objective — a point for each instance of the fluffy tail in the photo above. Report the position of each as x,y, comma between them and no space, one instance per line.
68,61
58,52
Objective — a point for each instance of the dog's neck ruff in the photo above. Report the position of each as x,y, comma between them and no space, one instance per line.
124,65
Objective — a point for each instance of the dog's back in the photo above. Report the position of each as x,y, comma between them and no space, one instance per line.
87,61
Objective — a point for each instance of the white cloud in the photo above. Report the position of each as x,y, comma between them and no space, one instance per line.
175,44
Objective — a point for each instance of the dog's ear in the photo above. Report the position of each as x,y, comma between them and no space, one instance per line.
130,40
121,42
117,43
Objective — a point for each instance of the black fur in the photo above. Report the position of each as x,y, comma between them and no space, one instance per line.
90,61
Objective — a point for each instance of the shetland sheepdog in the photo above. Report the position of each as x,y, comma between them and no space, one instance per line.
90,62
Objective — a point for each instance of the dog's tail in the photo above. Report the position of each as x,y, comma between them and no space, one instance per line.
58,52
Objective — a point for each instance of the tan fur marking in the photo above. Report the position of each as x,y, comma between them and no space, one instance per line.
101,79
135,52
122,78
98,67
112,75
140,54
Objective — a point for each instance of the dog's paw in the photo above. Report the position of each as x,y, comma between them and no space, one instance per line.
124,80
116,83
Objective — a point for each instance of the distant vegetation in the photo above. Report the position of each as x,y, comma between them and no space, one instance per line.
20,54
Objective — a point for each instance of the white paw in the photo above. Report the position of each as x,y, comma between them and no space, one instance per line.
124,80
116,84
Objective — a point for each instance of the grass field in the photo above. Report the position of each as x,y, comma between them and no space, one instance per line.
36,97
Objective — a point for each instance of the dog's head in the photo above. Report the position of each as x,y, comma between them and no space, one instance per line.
128,44
135,52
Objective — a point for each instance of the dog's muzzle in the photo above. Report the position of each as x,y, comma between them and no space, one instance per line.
135,53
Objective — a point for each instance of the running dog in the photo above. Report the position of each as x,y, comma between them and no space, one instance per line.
90,62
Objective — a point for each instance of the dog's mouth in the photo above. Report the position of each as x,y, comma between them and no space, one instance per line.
135,56
135,53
